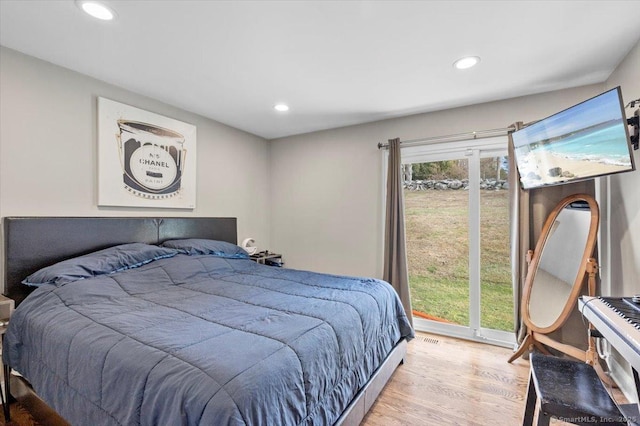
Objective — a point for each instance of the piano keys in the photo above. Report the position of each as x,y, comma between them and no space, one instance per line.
618,320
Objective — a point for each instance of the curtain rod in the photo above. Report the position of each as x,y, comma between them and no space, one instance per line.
481,134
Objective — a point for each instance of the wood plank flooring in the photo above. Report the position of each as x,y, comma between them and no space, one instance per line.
448,381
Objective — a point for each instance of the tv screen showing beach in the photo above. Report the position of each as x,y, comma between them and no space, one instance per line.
587,140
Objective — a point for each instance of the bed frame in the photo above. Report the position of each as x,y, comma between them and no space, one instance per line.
31,243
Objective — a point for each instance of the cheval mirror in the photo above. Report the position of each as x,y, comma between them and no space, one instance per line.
556,275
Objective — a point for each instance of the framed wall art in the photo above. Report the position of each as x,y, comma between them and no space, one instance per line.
144,159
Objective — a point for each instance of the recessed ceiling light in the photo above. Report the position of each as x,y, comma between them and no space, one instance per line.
281,107
466,62
97,10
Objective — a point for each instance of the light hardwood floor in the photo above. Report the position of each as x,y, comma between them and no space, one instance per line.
446,381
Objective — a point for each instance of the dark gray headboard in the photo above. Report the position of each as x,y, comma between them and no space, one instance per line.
31,243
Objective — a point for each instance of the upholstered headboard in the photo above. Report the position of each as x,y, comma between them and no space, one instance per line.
31,243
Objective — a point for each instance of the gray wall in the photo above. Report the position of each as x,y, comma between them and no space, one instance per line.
620,209
327,186
48,151
317,198
622,204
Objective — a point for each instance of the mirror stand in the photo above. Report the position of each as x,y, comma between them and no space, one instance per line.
540,341
556,276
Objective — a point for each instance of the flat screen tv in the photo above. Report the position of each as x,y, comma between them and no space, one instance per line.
589,139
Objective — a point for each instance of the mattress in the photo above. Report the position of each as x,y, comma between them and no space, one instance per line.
204,339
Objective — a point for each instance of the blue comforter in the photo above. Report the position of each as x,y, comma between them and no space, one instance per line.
204,340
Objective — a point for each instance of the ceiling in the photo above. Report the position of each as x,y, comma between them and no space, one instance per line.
336,63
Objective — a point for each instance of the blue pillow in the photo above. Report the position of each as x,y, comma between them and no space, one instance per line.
107,261
195,246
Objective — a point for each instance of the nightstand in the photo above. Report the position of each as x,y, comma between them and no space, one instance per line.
6,309
268,258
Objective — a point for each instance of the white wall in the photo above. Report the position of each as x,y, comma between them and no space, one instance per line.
326,187
317,198
48,151
620,206
624,195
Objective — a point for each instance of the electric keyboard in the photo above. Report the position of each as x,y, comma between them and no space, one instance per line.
618,320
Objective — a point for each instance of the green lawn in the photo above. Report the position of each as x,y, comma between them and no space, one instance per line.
437,249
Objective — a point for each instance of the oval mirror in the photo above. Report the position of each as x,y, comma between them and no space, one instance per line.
557,270
566,243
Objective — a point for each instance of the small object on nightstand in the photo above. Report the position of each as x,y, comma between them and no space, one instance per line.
274,261
248,246
268,258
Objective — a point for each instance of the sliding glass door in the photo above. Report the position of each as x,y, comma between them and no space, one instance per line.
496,290
437,232
456,215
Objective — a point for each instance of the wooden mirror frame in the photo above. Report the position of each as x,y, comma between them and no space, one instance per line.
537,336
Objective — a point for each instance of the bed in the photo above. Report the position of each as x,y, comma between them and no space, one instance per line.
151,321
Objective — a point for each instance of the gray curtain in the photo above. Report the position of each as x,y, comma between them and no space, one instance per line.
396,270
519,235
